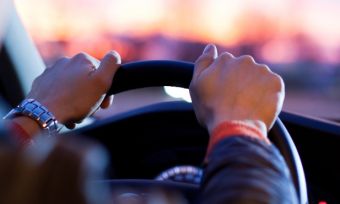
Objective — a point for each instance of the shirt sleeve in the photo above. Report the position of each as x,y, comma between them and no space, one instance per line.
231,128
241,167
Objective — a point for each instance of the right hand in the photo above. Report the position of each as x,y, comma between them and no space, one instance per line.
228,88
76,87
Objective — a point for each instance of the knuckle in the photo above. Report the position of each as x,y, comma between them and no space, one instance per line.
246,59
83,57
277,81
225,56
62,60
263,68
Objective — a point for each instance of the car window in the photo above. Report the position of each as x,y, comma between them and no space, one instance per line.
300,39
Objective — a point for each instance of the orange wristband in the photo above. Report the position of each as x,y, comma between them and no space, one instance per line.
234,128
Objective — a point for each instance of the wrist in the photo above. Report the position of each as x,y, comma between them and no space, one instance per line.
258,124
50,104
28,124
31,111
226,129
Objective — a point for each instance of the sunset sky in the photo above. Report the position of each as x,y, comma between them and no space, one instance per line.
225,22
295,37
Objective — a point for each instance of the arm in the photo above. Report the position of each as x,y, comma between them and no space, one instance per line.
238,100
71,90
60,170
246,170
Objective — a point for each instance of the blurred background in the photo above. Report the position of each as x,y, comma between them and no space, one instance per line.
300,39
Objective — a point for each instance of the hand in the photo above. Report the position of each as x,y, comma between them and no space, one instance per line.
227,88
74,88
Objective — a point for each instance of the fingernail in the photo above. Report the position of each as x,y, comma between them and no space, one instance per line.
210,49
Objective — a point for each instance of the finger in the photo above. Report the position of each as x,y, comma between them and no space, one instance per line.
59,62
264,68
225,57
108,66
247,59
94,63
86,59
107,102
206,59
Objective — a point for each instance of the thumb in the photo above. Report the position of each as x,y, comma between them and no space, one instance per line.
108,66
206,59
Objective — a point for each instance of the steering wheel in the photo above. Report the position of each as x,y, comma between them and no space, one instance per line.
179,74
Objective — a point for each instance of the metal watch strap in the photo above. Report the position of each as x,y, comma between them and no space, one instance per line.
34,110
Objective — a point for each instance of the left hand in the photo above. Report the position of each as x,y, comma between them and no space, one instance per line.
74,88
227,88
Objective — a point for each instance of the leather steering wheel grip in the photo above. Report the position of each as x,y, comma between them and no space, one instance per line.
152,73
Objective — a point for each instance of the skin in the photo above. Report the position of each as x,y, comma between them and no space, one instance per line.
223,88
73,88
228,88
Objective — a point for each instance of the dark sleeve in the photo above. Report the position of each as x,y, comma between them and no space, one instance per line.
245,170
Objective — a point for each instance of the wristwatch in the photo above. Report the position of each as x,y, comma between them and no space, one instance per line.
37,112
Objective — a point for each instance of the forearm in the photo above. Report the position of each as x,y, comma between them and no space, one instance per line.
246,170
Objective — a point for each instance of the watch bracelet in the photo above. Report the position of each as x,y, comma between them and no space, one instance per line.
39,113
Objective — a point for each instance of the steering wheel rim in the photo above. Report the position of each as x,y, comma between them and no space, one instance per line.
179,74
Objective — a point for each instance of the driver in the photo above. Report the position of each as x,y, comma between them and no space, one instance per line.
235,98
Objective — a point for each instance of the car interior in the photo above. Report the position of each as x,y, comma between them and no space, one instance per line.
162,146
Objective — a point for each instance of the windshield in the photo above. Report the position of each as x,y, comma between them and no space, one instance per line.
299,39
